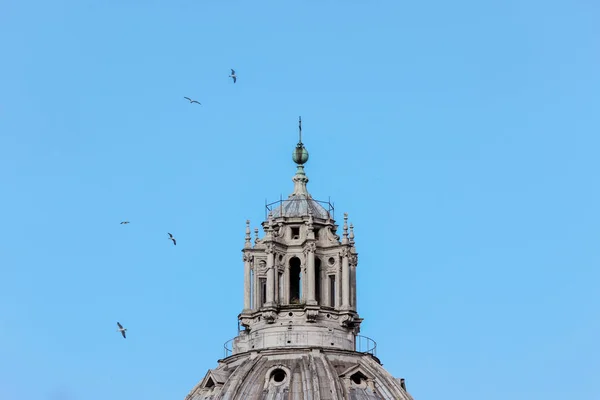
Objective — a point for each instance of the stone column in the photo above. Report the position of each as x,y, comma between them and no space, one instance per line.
345,287
353,286
326,293
338,286
286,284
303,282
310,273
353,264
256,291
270,275
247,258
276,285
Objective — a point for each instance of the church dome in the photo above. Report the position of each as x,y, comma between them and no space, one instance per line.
300,374
298,333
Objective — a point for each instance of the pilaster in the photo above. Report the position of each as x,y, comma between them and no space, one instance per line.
270,275
345,278
247,258
309,252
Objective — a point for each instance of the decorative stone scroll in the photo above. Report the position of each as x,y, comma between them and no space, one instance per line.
331,236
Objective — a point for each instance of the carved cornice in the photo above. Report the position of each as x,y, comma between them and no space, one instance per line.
247,257
353,260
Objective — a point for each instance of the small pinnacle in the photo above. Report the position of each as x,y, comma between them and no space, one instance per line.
248,237
345,234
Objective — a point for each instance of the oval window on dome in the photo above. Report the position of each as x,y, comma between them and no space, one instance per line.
278,376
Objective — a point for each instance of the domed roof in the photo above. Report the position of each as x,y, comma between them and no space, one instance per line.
299,205
299,374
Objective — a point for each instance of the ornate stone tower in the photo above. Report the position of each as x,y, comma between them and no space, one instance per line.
300,325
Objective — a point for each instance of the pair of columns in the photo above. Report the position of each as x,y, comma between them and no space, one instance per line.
310,277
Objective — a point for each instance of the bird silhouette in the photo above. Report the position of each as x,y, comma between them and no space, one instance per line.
122,330
192,101
173,239
124,222
233,75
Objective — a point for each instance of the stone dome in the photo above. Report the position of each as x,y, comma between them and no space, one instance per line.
298,374
298,206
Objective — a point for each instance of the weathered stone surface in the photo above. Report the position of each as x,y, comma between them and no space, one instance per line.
299,374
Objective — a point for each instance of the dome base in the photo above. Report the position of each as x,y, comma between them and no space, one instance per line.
298,374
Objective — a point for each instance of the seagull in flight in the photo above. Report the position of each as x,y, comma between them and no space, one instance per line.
233,76
124,222
192,101
173,239
122,330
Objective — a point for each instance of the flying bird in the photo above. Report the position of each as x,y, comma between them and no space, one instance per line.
233,76
173,239
124,222
122,330
192,101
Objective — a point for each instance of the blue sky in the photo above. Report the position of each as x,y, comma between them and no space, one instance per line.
461,137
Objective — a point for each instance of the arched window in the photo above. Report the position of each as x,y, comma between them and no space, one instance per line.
295,281
332,294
